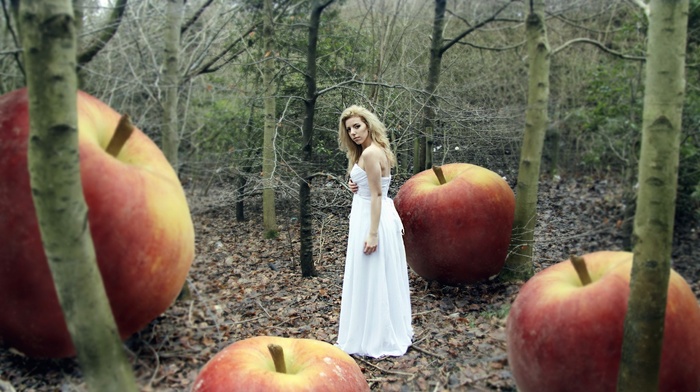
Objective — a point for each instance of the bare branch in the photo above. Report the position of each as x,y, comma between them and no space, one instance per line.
209,66
15,53
501,49
195,17
365,83
600,46
492,18
578,25
324,5
113,23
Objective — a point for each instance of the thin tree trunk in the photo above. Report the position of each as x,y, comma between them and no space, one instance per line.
423,142
171,137
171,77
305,219
247,169
424,138
49,45
658,175
269,216
240,206
518,265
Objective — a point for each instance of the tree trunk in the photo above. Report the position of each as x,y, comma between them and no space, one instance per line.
305,219
658,174
171,78
240,205
246,170
269,216
49,45
518,265
425,137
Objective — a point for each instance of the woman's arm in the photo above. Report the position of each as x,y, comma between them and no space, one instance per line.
372,162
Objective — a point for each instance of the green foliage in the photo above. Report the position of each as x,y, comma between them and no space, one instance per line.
227,127
607,127
688,199
694,23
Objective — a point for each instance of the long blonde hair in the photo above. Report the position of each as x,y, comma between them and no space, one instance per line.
377,131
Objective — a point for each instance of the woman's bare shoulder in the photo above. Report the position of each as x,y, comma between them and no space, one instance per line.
373,152
374,155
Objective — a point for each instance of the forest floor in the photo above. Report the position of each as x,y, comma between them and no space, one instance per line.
244,285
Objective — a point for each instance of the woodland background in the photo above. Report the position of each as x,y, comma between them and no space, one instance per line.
377,54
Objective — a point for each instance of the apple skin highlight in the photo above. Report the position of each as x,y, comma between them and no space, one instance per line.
139,222
563,336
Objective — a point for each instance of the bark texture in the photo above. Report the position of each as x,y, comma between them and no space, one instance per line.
654,215
519,265
171,136
49,44
423,142
305,219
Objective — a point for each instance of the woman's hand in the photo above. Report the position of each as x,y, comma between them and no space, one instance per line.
353,186
371,243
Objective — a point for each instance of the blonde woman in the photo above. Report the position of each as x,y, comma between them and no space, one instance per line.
375,311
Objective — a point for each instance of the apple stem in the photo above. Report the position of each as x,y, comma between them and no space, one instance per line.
438,172
277,354
124,130
580,266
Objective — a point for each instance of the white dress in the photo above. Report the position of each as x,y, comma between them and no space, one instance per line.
375,311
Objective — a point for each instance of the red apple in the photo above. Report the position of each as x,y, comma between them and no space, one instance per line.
457,231
139,221
564,336
300,365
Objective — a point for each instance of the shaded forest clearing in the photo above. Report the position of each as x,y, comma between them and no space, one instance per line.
244,285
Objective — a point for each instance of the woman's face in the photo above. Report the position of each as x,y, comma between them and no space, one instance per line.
358,131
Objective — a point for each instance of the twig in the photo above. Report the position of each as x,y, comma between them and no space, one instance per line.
377,379
426,312
417,340
189,313
424,351
245,321
155,372
385,370
263,308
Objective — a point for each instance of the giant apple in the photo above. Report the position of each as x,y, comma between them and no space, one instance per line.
271,363
457,229
563,335
139,221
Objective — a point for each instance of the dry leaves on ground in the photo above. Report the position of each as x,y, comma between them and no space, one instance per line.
244,285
